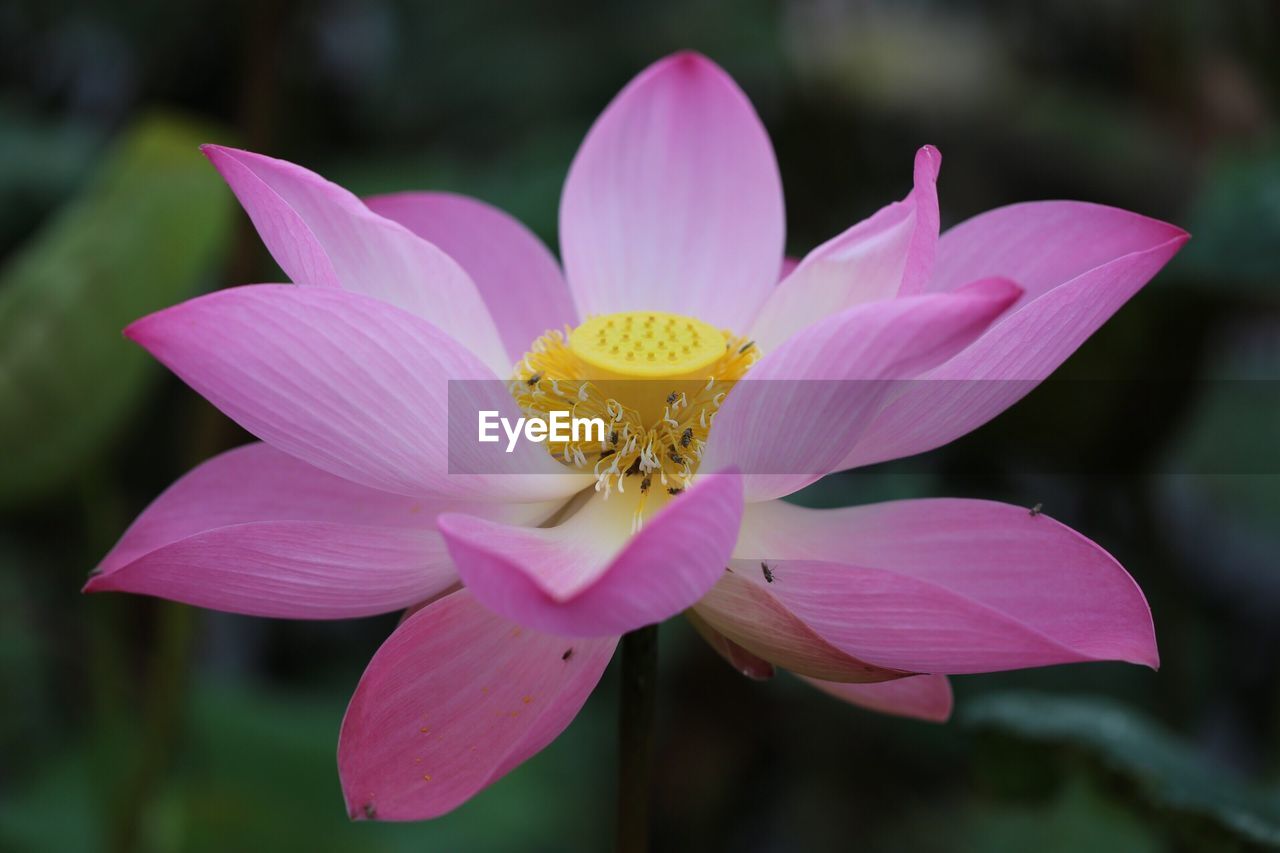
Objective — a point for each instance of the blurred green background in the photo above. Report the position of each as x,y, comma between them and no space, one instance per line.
132,724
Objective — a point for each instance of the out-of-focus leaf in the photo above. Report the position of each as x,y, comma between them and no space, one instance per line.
1164,770
1080,815
1235,220
52,809
139,238
261,774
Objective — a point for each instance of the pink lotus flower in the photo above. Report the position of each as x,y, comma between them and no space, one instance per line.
519,586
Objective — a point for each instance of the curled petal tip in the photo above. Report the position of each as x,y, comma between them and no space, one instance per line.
928,163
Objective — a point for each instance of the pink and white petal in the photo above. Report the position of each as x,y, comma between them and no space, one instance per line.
350,384
1035,581
256,482
321,234
589,576
674,202
891,254
291,569
752,666
1043,244
756,621
517,276
257,531
909,624
453,700
1079,262
803,406
921,697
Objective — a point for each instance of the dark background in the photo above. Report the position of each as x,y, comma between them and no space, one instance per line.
127,723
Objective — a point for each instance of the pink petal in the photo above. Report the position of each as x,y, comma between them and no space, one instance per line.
786,434
256,531
1043,244
922,697
585,577
1078,262
752,666
888,255
291,570
674,201
321,234
455,699
757,621
348,383
517,276
948,586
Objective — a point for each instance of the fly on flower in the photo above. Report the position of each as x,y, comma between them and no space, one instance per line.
673,299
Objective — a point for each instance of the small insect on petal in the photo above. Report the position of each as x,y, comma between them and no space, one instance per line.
1035,510
568,653
767,572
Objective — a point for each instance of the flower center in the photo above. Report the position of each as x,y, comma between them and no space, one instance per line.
656,380
641,345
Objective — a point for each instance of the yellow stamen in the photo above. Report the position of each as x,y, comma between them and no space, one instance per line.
656,379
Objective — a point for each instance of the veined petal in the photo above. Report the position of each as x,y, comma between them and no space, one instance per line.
321,234
348,383
517,276
1078,263
948,586
757,621
1044,244
455,699
796,415
588,577
291,570
888,255
750,665
674,203
922,697
257,531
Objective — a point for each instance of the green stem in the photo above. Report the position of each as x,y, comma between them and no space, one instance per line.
635,737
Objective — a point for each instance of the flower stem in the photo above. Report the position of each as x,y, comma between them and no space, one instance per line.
635,737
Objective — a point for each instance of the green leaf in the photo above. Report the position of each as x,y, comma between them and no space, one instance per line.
140,237
1165,771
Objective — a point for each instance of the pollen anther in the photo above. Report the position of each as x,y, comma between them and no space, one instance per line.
659,410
